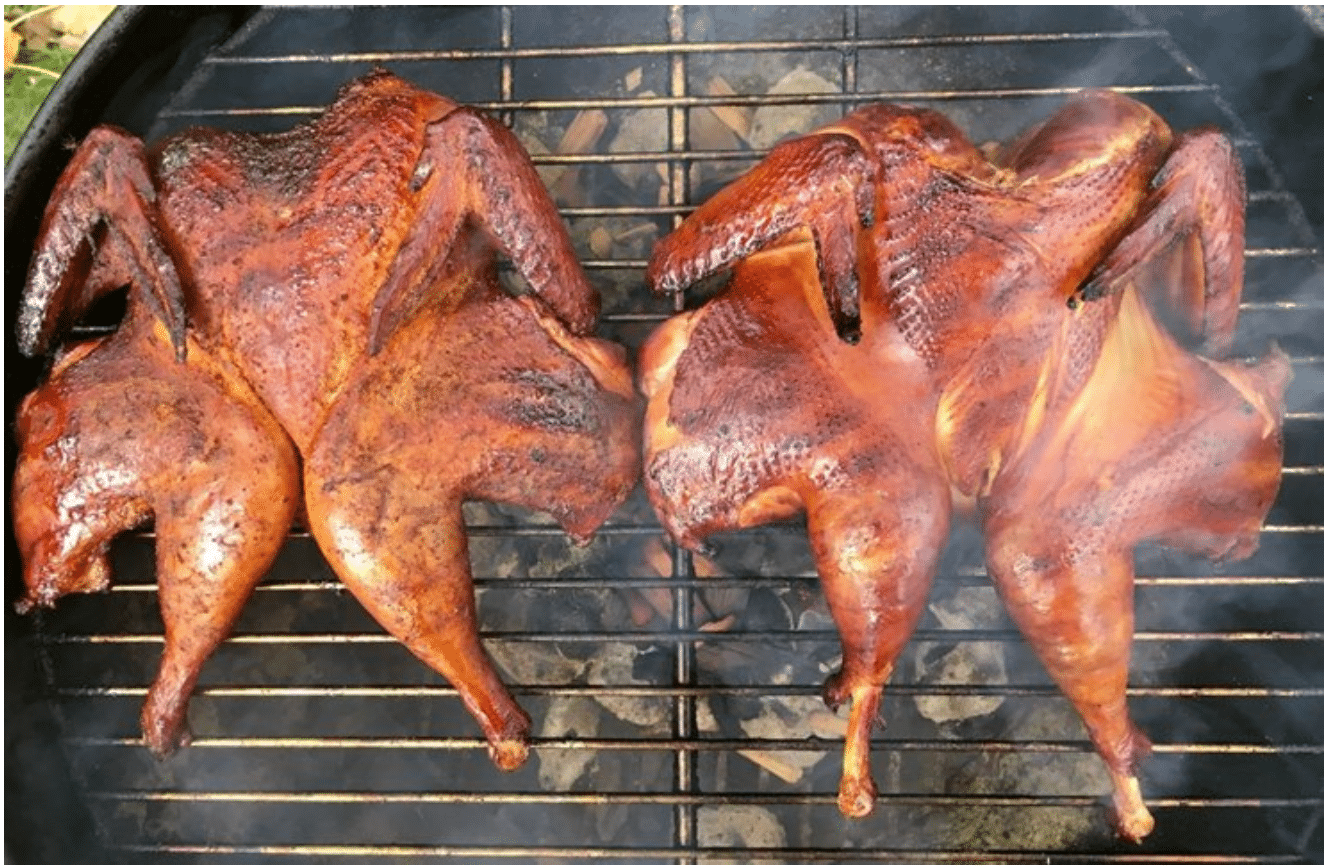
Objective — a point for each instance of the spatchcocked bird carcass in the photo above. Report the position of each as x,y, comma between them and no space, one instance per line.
916,329
314,321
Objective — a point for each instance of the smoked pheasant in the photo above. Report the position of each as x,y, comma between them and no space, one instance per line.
314,316
917,329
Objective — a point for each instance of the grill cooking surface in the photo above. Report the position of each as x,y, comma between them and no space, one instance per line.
676,716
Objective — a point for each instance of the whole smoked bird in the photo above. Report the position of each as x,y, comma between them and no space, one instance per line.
915,328
313,315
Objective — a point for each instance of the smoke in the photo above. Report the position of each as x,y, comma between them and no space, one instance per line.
1267,75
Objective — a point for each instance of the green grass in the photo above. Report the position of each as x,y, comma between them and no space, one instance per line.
25,90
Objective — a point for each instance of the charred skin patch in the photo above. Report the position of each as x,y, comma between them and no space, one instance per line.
559,401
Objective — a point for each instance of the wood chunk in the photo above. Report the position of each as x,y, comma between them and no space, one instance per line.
707,132
637,231
722,624
770,761
706,567
642,130
827,725
567,718
581,136
549,174
600,242
642,612
735,118
658,558
771,123
583,132
660,600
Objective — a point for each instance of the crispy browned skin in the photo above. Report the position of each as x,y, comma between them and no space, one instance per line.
493,400
1158,444
988,330
122,433
757,412
272,277
299,253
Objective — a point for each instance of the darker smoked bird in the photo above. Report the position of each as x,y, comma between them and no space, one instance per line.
314,321
916,329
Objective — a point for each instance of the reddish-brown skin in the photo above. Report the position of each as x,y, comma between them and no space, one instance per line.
549,422
122,433
993,335
757,411
270,277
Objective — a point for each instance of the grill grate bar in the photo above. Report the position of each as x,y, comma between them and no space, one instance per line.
1252,252
1282,252
674,102
830,855
1276,195
651,691
677,46
975,577
694,799
553,530
507,69
685,773
754,155
681,637
691,744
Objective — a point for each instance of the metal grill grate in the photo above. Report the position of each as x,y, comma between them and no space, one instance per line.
317,737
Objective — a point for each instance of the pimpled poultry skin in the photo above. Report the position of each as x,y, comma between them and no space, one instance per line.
915,331
548,422
314,319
